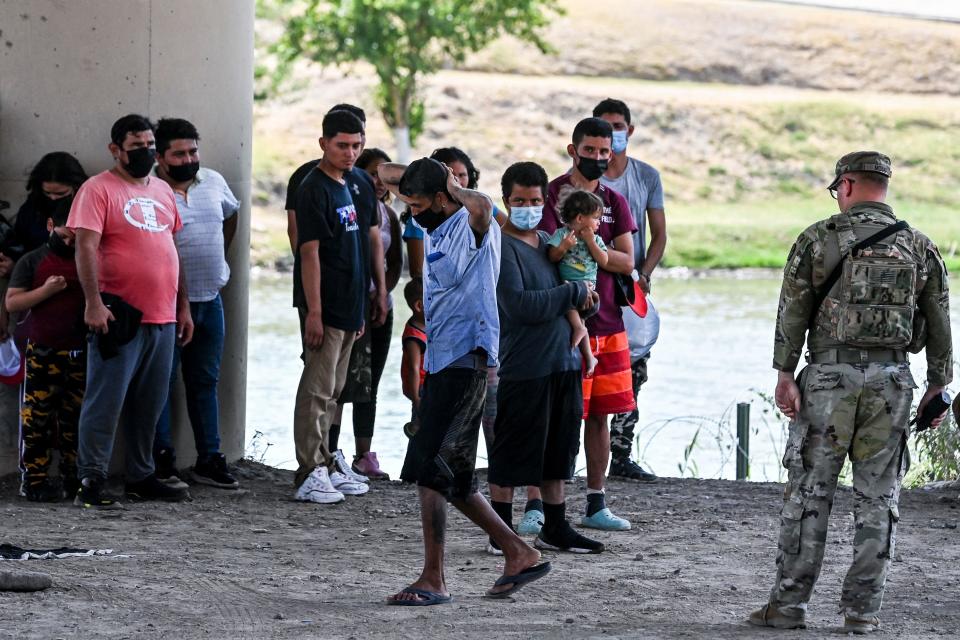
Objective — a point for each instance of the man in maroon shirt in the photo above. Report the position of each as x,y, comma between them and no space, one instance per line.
609,390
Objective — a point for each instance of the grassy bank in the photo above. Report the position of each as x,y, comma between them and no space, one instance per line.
744,168
759,234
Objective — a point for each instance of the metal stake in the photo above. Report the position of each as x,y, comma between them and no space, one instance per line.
743,440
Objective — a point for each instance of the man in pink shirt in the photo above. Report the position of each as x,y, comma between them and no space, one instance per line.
136,308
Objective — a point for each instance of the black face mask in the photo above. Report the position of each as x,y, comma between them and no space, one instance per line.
430,219
58,247
45,206
140,162
592,169
183,172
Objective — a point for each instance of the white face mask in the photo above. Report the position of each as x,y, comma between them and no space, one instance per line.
526,218
619,142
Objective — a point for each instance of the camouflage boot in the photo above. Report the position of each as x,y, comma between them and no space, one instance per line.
860,626
770,616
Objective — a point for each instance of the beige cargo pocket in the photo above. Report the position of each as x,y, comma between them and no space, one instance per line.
823,380
793,452
903,378
790,517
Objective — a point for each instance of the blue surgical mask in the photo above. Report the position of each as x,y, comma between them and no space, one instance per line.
526,218
619,143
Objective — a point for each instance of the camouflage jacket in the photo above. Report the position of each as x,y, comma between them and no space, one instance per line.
813,257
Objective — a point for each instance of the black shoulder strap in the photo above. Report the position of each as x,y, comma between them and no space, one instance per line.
821,294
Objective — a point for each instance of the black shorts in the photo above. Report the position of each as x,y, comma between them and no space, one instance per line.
537,433
443,453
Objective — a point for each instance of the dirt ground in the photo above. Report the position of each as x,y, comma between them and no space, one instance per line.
254,564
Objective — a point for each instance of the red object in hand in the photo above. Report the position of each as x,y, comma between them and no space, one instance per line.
639,301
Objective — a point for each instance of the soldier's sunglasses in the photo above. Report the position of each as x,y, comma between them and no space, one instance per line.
833,190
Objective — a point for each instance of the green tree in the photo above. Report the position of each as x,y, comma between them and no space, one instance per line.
403,40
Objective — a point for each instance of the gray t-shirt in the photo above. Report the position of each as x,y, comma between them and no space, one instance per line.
534,334
208,203
640,185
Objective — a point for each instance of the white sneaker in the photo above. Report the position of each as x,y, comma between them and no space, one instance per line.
317,488
346,486
340,462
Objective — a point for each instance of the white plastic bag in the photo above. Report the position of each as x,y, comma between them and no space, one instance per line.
9,358
642,333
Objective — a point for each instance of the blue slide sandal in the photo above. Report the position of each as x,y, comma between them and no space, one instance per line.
524,577
429,598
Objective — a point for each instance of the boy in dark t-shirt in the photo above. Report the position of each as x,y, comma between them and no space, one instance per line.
330,283
326,214
45,286
364,198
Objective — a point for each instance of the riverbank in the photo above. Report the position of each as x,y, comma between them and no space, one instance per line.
744,128
254,564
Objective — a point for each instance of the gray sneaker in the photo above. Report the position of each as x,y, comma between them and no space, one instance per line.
174,482
627,469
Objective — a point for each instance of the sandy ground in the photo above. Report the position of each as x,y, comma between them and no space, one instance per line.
254,564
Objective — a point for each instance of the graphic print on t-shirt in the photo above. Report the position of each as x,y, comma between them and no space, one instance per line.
348,217
607,215
147,208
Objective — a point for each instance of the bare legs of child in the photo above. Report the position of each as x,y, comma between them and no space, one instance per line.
581,339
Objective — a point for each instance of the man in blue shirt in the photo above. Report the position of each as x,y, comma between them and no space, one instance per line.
461,268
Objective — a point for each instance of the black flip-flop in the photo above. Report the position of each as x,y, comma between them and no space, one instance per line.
526,576
429,598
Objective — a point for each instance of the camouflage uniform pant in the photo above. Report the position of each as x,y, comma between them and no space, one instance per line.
359,384
622,425
52,396
855,410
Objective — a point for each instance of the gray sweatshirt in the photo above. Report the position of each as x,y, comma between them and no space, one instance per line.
534,334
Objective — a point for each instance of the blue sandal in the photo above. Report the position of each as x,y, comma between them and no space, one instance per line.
429,598
527,575
531,524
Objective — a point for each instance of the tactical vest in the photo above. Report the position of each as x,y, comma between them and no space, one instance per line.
873,305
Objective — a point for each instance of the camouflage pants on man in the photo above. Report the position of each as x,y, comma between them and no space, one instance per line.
622,425
52,397
861,411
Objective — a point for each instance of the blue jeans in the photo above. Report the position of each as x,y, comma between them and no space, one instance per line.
200,362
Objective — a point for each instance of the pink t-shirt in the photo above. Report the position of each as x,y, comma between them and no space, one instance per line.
137,255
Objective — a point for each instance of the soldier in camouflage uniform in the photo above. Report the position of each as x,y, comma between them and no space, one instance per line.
853,399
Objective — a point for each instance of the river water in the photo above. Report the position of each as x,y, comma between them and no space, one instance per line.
715,350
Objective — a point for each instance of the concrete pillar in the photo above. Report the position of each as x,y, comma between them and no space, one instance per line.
68,70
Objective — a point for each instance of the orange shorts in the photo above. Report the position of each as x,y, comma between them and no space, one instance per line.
610,390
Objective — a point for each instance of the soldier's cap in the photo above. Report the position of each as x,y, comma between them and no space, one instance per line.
872,161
